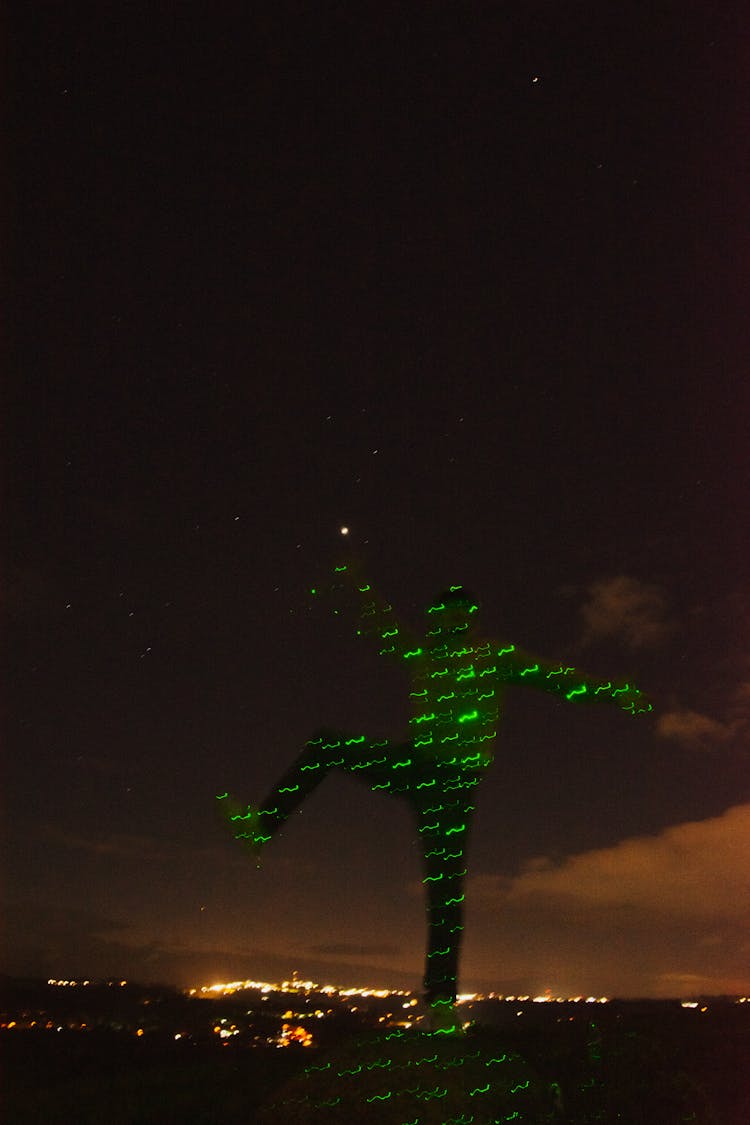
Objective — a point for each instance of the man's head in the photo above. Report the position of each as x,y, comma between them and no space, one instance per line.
453,611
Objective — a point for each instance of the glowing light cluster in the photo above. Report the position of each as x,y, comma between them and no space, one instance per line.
294,1034
83,983
227,988
458,687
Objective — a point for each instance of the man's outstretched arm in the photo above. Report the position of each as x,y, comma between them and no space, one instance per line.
569,682
374,615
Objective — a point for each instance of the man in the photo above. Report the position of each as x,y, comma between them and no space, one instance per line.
458,688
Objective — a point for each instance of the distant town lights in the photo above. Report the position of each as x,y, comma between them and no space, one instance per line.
367,991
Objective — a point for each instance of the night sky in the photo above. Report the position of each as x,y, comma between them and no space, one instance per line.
471,280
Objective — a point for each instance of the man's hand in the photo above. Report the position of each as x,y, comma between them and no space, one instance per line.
632,699
244,823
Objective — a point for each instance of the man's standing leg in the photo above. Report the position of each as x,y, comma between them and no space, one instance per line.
443,825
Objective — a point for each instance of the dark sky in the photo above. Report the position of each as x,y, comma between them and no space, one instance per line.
470,279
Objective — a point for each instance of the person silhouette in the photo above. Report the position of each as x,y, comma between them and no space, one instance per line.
458,686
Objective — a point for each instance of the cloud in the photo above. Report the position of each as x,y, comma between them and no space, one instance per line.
142,848
739,707
699,868
58,940
661,915
693,729
352,949
696,730
628,609
120,844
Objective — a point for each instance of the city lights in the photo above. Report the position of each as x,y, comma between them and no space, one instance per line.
296,986
347,992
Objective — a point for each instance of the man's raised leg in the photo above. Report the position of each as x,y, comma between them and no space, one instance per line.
255,825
